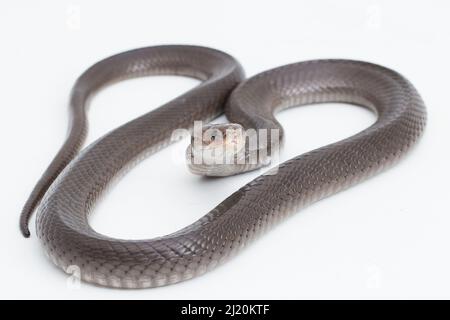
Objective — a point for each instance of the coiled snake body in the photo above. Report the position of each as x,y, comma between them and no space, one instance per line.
72,183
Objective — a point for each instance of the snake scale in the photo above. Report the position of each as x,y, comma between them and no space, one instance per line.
67,192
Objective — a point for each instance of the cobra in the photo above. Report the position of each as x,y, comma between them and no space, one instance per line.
69,188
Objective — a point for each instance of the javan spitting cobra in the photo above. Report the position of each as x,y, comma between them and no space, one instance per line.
71,185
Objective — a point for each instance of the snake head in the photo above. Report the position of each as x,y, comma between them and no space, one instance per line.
216,149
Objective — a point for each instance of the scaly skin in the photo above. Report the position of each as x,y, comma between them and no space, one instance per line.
62,222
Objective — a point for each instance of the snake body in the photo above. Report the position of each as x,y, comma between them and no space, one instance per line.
73,182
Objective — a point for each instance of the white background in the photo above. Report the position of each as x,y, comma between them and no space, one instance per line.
386,238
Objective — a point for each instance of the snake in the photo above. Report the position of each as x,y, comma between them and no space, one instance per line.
67,192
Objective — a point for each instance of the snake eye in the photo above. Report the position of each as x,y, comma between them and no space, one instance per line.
212,135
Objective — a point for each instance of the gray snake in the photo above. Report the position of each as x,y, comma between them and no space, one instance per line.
69,188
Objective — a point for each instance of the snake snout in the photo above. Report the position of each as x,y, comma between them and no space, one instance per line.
216,149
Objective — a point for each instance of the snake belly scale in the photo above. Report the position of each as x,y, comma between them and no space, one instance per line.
69,188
